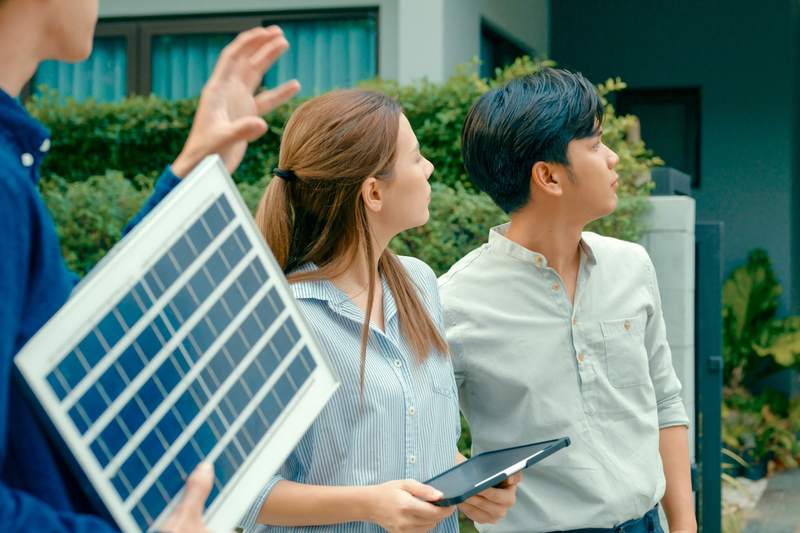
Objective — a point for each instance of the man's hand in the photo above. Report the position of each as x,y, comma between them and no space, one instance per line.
187,516
229,113
491,505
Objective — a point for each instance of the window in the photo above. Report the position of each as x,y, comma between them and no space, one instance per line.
670,120
498,50
174,58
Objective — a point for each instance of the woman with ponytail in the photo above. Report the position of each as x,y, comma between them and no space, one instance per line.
351,177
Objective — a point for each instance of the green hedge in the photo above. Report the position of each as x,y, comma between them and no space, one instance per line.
91,202
140,135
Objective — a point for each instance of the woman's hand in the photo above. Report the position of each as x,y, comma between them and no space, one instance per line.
403,506
229,112
491,505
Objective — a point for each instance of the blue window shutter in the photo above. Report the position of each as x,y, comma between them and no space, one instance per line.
103,76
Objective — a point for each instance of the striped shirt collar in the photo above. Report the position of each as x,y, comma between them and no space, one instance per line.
324,290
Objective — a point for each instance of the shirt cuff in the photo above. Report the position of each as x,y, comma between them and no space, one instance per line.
248,523
672,413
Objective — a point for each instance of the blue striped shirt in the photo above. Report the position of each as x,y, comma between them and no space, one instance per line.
408,424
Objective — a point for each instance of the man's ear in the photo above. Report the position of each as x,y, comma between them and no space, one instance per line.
546,178
372,194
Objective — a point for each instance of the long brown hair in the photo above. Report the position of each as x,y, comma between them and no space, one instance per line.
332,143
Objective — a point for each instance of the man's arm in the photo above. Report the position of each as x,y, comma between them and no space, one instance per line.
672,419
677,501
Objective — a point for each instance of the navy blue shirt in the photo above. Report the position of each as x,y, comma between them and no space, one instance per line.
37,491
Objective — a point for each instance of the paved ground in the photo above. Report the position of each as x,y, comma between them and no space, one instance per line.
778,510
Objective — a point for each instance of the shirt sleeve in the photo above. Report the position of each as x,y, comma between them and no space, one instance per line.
163,186
20,511
290,470
671,411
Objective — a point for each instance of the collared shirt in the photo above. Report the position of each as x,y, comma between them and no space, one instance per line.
407,423
531,366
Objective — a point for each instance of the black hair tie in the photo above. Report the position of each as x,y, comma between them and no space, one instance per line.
286,175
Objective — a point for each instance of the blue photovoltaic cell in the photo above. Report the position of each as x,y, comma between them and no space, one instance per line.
166,271
215,266
131,362
91,349
226,208
110,329
129,310
201,285
148,342
72,370
141,521
133,415
153,284
202,335
184,303
113,436
182,253
270,408
56,385
170,427
214,220
112,382
152,448
141,294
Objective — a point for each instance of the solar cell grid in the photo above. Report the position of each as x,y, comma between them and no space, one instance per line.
195,358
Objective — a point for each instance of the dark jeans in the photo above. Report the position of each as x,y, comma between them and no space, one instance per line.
649,523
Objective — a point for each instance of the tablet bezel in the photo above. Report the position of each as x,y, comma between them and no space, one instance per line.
553,446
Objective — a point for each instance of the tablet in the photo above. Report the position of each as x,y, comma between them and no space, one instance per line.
489,469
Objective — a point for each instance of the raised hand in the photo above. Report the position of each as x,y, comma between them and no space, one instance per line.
229,113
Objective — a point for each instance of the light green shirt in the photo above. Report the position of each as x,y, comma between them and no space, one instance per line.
532,366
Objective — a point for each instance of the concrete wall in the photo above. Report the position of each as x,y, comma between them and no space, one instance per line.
741,56
670,243
417,38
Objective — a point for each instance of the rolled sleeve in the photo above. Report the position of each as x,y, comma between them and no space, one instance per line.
667,386
249,520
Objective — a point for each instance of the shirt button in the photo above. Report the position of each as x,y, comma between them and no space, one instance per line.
555,287
412,411
27,159
538,261
627,325
412,459
45,145
581,357
397,363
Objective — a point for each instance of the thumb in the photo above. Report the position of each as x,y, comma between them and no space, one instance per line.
198,485
424,492
245,129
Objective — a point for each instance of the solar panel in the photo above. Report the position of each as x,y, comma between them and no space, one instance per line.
183,345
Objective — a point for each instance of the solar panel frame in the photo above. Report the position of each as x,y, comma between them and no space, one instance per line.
146,314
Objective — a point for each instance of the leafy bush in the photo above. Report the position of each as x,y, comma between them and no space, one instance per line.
756,342
142,134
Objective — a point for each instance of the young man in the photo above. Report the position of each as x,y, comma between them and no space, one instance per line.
37,492
559,332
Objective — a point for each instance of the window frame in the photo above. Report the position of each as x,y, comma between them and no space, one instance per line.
140,31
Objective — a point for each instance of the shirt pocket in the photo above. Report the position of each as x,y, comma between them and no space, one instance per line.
626,355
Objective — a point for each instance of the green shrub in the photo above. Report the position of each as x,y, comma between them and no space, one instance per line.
140,135
756,343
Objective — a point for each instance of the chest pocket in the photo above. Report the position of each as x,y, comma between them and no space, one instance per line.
626,355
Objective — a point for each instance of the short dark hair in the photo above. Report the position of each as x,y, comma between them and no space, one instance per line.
527,120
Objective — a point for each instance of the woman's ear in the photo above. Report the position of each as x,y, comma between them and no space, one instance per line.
546,178
372,194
